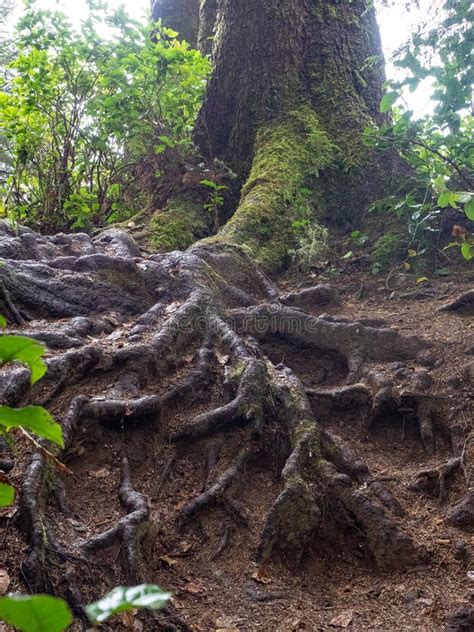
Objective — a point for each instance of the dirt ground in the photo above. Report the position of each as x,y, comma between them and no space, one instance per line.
209,566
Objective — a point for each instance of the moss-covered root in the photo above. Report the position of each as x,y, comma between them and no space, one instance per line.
177,226
322,479
288,152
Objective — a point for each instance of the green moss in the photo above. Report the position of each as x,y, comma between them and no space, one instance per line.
288,153
121,279
178,226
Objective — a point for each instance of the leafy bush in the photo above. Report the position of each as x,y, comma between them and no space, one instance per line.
438,147
89,118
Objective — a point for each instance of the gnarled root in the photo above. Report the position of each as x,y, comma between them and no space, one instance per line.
145,342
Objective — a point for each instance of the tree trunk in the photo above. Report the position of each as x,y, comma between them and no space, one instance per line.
295,83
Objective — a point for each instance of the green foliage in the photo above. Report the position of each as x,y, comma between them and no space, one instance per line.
89,119
438,147
123,599
7,495
42,613
215,201
25,350
37,613
34,418
311,237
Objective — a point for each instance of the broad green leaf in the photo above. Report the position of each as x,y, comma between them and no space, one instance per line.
23,350
388,100
444,199
7,495
33,418
122,599
37,613
467,251
469,210
3,322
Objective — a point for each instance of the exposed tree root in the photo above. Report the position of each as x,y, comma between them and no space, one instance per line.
142,341
127,531
463,304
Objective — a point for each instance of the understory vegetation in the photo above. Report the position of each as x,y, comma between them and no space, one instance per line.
434,213
91,114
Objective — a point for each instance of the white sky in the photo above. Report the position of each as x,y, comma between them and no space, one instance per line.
395,25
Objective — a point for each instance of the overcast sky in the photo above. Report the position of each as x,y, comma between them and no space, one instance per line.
395,25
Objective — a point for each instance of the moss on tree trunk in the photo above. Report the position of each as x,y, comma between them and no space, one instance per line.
294,85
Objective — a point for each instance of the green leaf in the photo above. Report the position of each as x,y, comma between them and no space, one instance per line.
469,210
23,350
208,183
33,418
388,100
37,613
170,33
166,140
444,199
7,495
3,322
467,251
122,599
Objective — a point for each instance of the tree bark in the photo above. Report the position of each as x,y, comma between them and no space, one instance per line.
294,85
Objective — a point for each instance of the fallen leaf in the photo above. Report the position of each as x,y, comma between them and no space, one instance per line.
227,623
261,576
4,581
102,473
168,560
221,358
193,589
227,630
343,620
185,547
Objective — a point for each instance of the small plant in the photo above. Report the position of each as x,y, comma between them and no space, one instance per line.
438,147
215,201
88,122
31,418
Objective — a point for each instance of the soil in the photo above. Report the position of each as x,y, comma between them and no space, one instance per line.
209,564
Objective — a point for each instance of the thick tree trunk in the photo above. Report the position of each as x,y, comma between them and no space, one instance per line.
295,83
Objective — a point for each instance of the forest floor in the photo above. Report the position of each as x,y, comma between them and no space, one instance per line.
210,566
